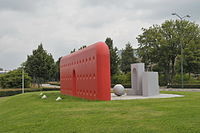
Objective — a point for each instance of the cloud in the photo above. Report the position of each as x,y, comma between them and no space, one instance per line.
18,5
63,25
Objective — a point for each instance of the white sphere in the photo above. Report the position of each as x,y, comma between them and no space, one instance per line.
119,90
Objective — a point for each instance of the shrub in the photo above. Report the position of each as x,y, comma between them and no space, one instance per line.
125,85
124,79
184,86
177,78
10,92
13,79
162,80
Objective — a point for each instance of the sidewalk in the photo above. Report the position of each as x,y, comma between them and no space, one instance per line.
50,86
179,89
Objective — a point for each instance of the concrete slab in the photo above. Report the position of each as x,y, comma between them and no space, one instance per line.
126,97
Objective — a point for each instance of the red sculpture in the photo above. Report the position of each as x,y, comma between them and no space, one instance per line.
86,73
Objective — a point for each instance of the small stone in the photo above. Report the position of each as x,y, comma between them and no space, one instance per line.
58,98
44,97
41,94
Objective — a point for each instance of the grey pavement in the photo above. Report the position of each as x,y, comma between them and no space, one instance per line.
125,97
176,89
50,86
179,89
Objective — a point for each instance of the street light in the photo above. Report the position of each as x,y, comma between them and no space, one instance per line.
181,18
181,43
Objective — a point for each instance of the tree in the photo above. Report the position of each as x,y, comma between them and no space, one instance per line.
161,45
40,65
74,50
127,58
82,47
13,79
114,58
191,59
57,75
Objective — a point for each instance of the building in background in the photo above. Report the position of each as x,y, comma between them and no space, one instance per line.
3,71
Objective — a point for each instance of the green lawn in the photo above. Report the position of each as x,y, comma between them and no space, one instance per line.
27,113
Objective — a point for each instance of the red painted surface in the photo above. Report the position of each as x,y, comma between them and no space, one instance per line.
86,73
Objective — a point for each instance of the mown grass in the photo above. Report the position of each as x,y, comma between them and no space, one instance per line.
28,113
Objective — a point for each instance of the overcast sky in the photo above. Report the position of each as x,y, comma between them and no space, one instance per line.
61,25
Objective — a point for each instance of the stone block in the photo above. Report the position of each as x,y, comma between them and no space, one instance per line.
150,85
137,70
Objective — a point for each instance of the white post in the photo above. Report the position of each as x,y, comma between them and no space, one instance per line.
22,80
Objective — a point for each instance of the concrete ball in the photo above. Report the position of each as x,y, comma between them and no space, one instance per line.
119,90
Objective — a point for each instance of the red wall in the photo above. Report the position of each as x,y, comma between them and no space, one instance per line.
86,73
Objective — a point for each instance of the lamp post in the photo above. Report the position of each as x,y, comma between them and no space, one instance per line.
22,79
181,44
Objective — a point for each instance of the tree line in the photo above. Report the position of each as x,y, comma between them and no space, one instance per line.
159,47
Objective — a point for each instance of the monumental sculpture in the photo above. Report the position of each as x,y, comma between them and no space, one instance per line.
86,73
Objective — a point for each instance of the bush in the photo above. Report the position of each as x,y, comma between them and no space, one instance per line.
184,86
10,92
177,78
162,80
125,85
13,79
187,79
124,79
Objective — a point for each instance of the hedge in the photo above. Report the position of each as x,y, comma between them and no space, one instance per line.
125,85
10,92
13,79
184,86
112,85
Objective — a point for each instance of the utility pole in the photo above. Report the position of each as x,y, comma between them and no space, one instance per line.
181,44
22,79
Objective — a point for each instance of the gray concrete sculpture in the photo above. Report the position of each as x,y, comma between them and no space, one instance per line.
150,85
137,70
143,83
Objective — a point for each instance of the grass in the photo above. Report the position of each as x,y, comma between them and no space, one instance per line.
27,113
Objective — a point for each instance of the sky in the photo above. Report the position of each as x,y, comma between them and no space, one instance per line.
62,25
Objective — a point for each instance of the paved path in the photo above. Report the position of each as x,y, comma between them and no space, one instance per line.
126,97
163,88
179,89
50,86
